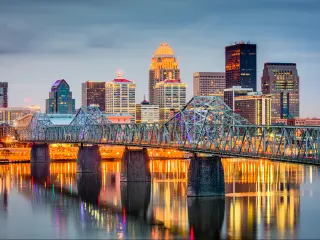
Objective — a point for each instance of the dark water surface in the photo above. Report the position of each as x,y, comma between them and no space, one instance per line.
263,199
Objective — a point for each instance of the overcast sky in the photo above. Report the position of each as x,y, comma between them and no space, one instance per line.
45,40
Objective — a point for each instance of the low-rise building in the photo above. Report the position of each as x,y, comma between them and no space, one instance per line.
254,107
147,113
8,115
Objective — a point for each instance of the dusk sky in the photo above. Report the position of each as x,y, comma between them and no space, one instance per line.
45,40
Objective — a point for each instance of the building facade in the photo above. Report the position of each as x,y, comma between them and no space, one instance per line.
241,65
299,121
147,113
3,94
231,93
171,97
121,97
208,83
8,115
60,99
254,107
93,94
163,63
281,81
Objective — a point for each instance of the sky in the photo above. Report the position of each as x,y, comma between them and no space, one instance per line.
45,40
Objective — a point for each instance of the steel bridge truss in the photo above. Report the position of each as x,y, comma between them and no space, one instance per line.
204,125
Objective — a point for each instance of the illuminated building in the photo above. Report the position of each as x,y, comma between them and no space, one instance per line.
119,118
60,98
93,94
147,113
254,107
171,96
8,115
121,97
208,83
3,94
235,91
299,121
241,66
163,63
281,81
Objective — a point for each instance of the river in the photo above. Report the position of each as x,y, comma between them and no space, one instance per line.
264,199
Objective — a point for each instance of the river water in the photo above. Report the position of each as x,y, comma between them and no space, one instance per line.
264,199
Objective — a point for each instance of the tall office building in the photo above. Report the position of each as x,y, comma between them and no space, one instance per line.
93,93
170,96
208,83
163,63
281,81
147,113
121,97
60,99
241,65
231,93
254,107
3,94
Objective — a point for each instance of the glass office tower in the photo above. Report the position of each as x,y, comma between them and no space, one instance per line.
60,99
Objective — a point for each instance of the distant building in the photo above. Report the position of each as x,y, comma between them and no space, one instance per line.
6,131
121,97
147,113
3,94
163,63
241,66
208,83
171,96
8,115
120,118
254,107
236,91
281,81
299,121
60,99
93,94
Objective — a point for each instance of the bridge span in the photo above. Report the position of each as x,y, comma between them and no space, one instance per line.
205,125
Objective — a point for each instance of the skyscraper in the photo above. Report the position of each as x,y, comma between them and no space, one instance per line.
60,99
208,83
170,96
93,93
121,96
281,81
3,94
241,65
163,63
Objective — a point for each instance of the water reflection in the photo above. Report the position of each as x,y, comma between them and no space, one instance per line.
263,200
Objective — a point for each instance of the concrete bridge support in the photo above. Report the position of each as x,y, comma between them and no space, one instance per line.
40,153
206,217
135,166
89,159
205,177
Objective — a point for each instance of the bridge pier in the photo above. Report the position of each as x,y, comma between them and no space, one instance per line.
88,159
135,166
40,153
205,177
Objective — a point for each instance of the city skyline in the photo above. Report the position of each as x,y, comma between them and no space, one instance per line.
38,48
